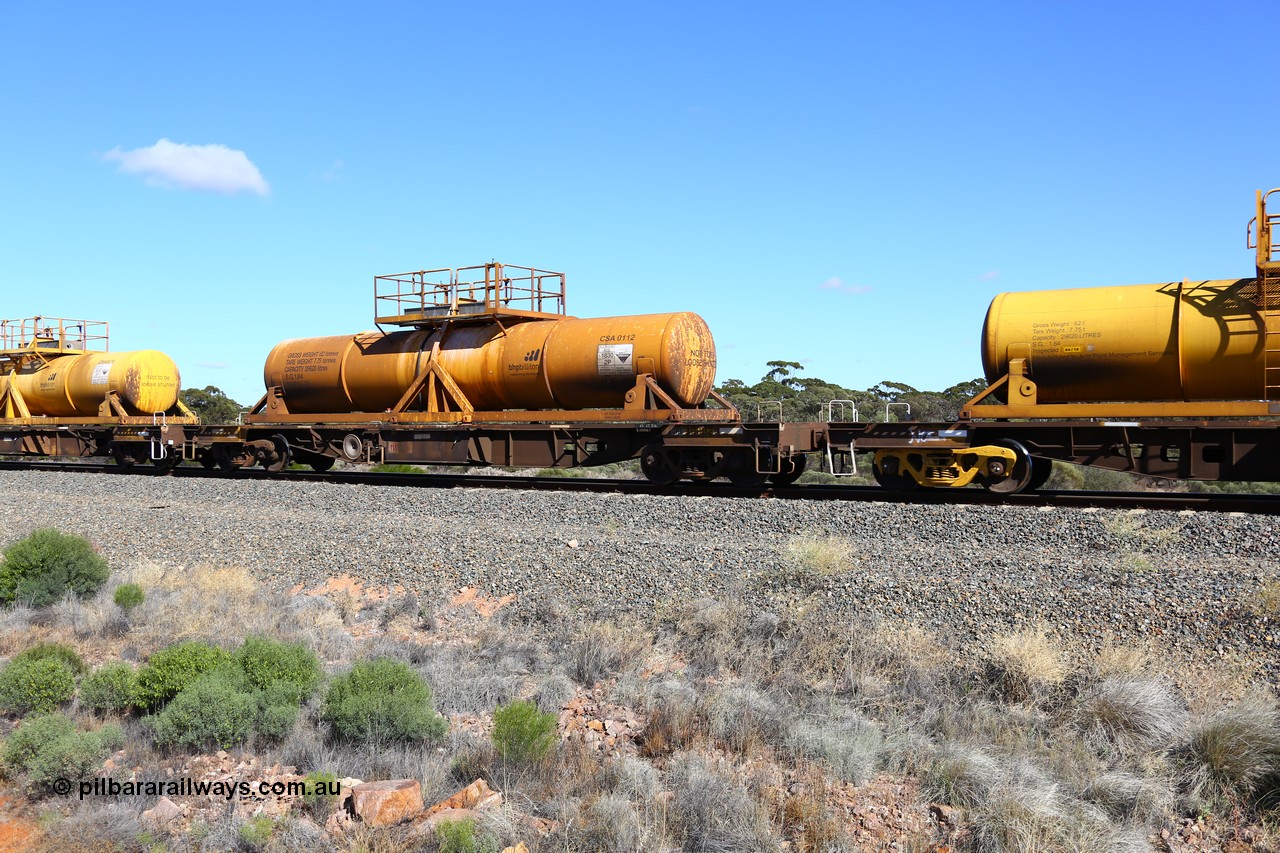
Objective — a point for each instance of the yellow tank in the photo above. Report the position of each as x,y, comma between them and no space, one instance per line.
146,381
543,364
1147,342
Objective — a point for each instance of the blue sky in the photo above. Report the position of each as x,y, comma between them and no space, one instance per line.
843,184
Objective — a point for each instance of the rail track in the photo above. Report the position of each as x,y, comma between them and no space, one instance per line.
1171,501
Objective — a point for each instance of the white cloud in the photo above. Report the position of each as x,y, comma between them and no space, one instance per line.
837,284
207,168
213,365
989,275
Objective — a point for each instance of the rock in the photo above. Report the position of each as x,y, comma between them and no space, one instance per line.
339,821
166,811
478,795
944,815
519,848
386,803
427,825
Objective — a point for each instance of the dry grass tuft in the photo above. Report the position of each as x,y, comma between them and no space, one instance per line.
605,649
961,776
1133,714
820,557
1124,796
1226,755
711,811
1121,659
1268,603
1026,664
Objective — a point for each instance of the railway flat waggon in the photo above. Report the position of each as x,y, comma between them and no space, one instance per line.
1180,380
64,393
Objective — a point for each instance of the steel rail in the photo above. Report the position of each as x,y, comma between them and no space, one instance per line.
1171,501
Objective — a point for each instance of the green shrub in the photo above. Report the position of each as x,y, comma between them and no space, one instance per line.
277,710
44,566
129,596
320,792
217,709
523,733
257,831
38,685
54,651
272,664
382,701
50,747
171,669
459,836
112,687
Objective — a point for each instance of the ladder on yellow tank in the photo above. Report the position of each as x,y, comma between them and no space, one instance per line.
1268,293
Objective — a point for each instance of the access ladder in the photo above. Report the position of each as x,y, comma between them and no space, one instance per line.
1268,293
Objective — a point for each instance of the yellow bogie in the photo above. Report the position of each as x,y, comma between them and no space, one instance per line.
940,468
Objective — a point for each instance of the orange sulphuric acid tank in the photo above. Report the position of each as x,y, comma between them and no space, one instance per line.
145,382
1181,341
537,365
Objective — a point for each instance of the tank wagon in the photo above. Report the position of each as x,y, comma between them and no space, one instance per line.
484,367
1179,379
64,393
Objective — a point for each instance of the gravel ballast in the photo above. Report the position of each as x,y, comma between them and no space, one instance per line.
1189,583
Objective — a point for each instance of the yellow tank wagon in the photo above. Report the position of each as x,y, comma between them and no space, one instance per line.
63,392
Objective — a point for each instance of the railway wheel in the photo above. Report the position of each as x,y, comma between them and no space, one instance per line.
792,468
320,464
741,470
279,457
892,481
124,458
659,465
208,460
167,462
1041,470
1019,475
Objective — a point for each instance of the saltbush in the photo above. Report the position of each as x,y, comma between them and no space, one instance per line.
320,792
523,733
459,836
382,701
54,651
277,710
217,709
112,687
272,664
35,685
49,747
43,567
129,596
171,669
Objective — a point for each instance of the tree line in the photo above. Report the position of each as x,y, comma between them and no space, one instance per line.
805,398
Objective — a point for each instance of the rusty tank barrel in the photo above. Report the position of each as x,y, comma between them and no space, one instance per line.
542,364
145,381
1181,341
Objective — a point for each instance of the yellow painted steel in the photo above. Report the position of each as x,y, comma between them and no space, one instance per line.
1183,341
551,364
145,382
946,469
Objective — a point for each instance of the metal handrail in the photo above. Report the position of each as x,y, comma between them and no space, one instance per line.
887,406
829,410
